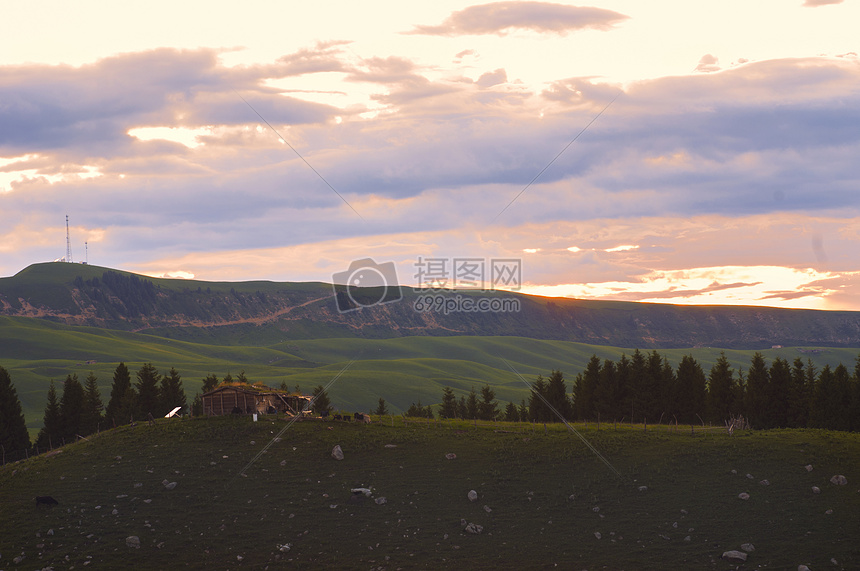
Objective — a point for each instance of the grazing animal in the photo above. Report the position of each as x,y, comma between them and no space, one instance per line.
47,500
338,417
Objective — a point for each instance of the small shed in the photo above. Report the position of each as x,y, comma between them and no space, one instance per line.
250,399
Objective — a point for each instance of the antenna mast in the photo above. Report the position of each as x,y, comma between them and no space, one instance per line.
68,242
87,253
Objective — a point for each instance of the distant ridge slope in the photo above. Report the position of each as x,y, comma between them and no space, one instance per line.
263,311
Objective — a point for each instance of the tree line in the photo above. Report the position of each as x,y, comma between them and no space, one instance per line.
645,388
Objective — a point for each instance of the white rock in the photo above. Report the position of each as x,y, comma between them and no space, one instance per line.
597,534
474,528
170,485
816,490
488,509
748,547
765,482
839,480
744,496
734,555
643,488
239,557
802,568
829,512
133,541
688,539
750,476
380,501
450,455
809,467
365,491
473,495
337,452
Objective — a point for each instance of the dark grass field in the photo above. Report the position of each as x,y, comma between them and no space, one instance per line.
543,497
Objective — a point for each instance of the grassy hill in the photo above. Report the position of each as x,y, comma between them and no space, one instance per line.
544,500
263,313
402,370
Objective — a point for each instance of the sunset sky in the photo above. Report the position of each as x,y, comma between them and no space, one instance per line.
725,170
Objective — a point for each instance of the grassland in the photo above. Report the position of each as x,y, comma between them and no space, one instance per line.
542,498
401,370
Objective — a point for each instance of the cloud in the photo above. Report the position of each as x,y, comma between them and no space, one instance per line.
542,17
816,3
708,63
492,78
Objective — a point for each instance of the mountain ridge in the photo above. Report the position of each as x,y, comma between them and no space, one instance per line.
255,312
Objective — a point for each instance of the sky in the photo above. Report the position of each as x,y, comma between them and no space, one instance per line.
664,151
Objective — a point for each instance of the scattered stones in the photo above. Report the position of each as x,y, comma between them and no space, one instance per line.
450,455
118,458
839,480
168,485
750,476
748,547
337,452
802,568
114,512
643,488
239,558
816,490
333,506
571,497
688,539
50,532
473,495
744,496
734,471
809,467
684,512
595,509
765,482
474,528
365,491
133,541
147,501
735,556
17,560
138,485
285,547
381,500
597,535
829,512
391,445
488,509
283,462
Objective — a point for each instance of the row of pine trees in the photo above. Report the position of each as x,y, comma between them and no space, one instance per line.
645,388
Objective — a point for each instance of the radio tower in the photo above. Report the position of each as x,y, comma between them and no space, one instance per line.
68,242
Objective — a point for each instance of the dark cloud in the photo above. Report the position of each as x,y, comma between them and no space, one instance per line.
501,17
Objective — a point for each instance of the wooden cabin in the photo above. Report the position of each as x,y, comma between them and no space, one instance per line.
250,399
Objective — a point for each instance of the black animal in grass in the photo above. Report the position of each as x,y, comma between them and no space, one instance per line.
46,500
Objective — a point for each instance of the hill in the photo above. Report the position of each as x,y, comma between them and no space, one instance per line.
264,313
256,495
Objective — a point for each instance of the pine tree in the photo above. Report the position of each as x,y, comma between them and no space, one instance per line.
819,415
690,391
381,408
117,412
524,411
462,409
321,402
92,412
488,408
556,395
171,394
637,388
147,391
13,428
720,399
449,404
778,389
538,410
472,405
50,434
605,393
757,392
211,381
585,390
71,408
511,413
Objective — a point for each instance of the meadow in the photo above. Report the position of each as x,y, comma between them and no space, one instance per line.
402,370
269,495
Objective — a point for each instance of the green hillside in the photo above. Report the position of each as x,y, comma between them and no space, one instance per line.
265,495
402,370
